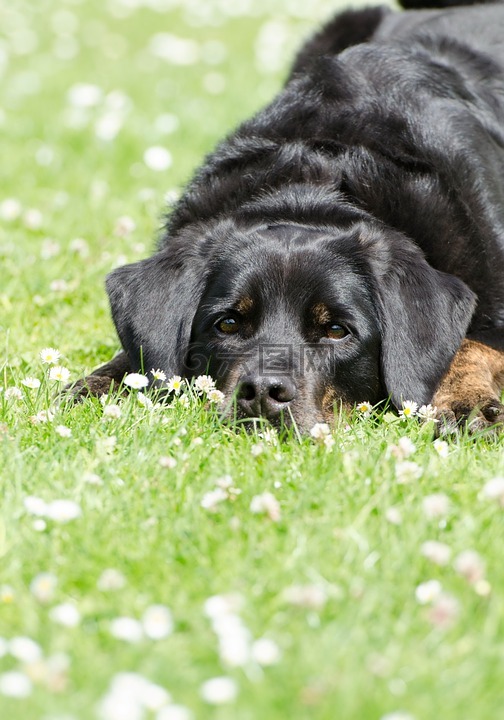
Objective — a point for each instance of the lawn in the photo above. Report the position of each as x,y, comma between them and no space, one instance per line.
156,564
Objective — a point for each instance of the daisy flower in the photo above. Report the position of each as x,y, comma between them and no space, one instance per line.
436,505
409,409
175,384
204,384
136,381
31,383
50,356
219,690
15,684
407,471
113,412
59,373
13,392
127,629
63,511
166,461
63,431
144,400
157,622
265,652
494,490
427,412
364,408
320,431
428,591
442,448
266,504
158,374
437,552
43,587
216,396
65,614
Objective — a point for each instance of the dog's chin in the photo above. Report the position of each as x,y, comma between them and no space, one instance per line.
297,419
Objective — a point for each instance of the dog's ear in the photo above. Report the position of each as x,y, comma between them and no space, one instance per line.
153,303
424,315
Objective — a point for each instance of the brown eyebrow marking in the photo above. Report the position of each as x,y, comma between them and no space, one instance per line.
244,304
321,313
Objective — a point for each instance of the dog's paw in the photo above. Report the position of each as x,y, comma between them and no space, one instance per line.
90,386
486,416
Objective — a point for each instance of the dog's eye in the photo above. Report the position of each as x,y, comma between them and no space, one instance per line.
335,331
228,325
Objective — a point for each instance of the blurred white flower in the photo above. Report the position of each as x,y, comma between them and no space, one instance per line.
59,373
313,597
404,448
166,461
492,490
136,381
441,447
35,505
158,374
470,565
320,431
65,614
157,158
63,511
443,611
437,552
428,591
10,209
393,516
124,226
15,684
265,651
13,393
266,504
63,431
174,712
216,396
157,622
427,413
407,471
43,587
25,649
84,95
111,579
219,691
127,629
31,383
436,505
112,411
211,499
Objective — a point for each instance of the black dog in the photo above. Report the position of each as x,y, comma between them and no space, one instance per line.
346,243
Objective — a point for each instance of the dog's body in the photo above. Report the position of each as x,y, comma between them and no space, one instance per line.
341,244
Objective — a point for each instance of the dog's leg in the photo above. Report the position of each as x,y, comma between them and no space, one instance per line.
470,392
102,380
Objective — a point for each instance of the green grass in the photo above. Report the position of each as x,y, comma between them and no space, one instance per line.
358,644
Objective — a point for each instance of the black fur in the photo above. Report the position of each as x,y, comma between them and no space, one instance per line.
367,195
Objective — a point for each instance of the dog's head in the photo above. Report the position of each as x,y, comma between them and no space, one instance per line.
292,320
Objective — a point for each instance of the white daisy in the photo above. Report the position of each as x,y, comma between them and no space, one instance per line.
409,409
50,356
204,384
136,381
158,374
31,383
59,373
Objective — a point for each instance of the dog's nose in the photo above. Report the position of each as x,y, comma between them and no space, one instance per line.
265,396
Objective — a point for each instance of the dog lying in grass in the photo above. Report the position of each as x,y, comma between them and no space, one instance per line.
347,242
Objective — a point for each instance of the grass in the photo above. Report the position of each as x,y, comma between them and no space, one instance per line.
333,581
